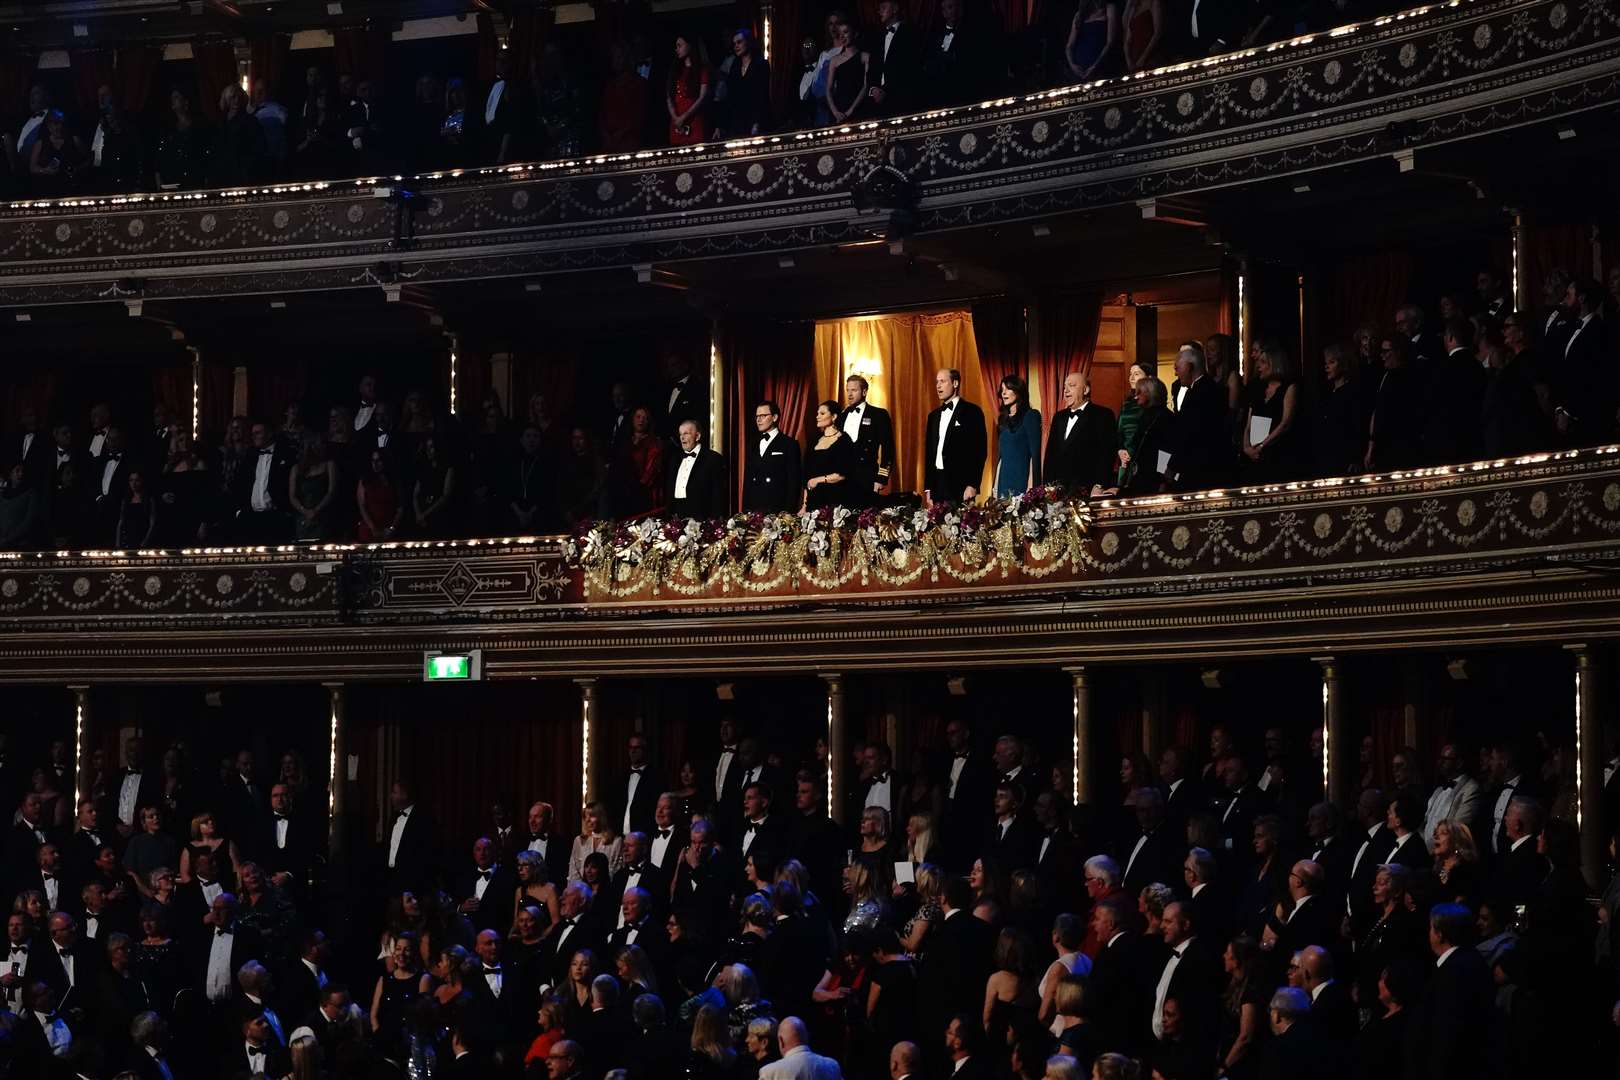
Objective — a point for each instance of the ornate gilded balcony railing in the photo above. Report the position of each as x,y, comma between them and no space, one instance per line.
1444,72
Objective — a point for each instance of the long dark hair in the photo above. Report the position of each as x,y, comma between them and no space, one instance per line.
1010,421
691,75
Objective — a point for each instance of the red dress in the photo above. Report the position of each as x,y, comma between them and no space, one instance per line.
697,128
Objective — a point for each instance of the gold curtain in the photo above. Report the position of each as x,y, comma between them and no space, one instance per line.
898,355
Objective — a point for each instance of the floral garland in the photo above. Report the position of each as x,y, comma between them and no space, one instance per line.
1036,533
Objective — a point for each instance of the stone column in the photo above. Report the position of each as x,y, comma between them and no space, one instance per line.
717,396
81,733
1589,764
590,732
1081,772
837,747
337,771
1335,762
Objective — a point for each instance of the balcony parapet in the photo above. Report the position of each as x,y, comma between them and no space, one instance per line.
1440,73
1317,537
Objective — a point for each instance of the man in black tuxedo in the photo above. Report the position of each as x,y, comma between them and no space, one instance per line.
1520,868
1329,847
1056,863
408,849
85,841
695,478
1238,804
98,918
1081,451
1183,796
289,849
896,77
964,1057
1012,841
1202,457
1589,411
1314,919
871,429
249,806
1373,842
750,768
110,478
136,786
958,960
502,119
306,977
1156,853
149,1056
969,790
1443,1037
574,932
498,993
703,880
31,449
956,65
552,849
727,785
637,793
1425,347
685,396
639,923
70,965
772,480
1210,911
1451,430
1192,976
1291,1051
880,784
1333,1011
616,426
667,838
61,892
484,891
817,842
23,841
639,873
257,1053
954,446
329,1021
1116,980
259,493
761,833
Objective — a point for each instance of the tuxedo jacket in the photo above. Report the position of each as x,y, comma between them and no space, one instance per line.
1159,860
966,812
559,948
298,855
1203,454
772,481
704,891
965,451
1084,456
45,963
1196,983
1444,1035
874,448
679,837
1060,867
414,863
773,840
1519,873
1359,897
118,486
300,991
650,935
242,483
1451,431
654,880
1117,981
690,403
1317,923
511,118
495,910
1236,814
558,849
235,1063
957,64
1335,857
245,945
39,463
952,975
643,806
705,497
1017,848
818,843
898,69
21,846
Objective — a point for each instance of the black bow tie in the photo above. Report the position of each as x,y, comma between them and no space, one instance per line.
637,868
690,454
881,778
280,817
485,874
764,436
221,932
267,450
752,825
948,406
19,948
401,814
496,970
1447,785
891,29
203,883
115,456
255,1053
638,768
63,953
568,922
962,756
663,834
728,749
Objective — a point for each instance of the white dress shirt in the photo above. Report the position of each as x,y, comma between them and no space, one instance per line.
260,499
129,792
754,827
1141,842
852,421
362,415
481,883
1074,418
1499,811
97,441
538,846
211,890
107,471
675,393
1570,344
1443,957
765,440
219,980
53,889
720,769
400,821
492,977
493,102
660,847
630,797
945,420
92,926
957,765
1163,990
881,793
684,472
15,963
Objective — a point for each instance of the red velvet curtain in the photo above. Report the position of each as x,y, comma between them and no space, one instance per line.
137,76
550,370
92,69
1566,246
272,386
526,36
218,389
766,361
171,386
363,54
1001,334
16,75
1363,289
216,69
1062,338
787,30
472,382
270,61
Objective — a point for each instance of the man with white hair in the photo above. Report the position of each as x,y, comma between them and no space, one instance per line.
695,482
1290,1050
799,1062
1203,452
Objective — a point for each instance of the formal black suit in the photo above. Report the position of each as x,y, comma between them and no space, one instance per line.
704,891
1084,455
415,862
1160,859
966,808
296,855
1187,799
1196,983
772,840
874,450
1203,452
956,65
642,807
965,450
1016,846
495,910
1292,1054
560,947
1316,921
1117,985
1451,430
277,1060
679,837
706,496
684,399
264,525
38,462
1333,1015
1373,852
649,933
22,843
1334,857
1236,813
1445,1035
773,480
818,843
1520,872
556,855
1058,864
648,877
114,1000
1212,914
954,969
512,119
897,67
45,963
300,990
248,800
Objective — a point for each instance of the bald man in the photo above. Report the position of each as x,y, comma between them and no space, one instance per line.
1082,447
799,1062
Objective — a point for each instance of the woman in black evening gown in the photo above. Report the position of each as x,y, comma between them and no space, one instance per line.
847,82
830,462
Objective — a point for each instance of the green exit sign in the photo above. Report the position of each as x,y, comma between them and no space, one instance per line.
452,667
